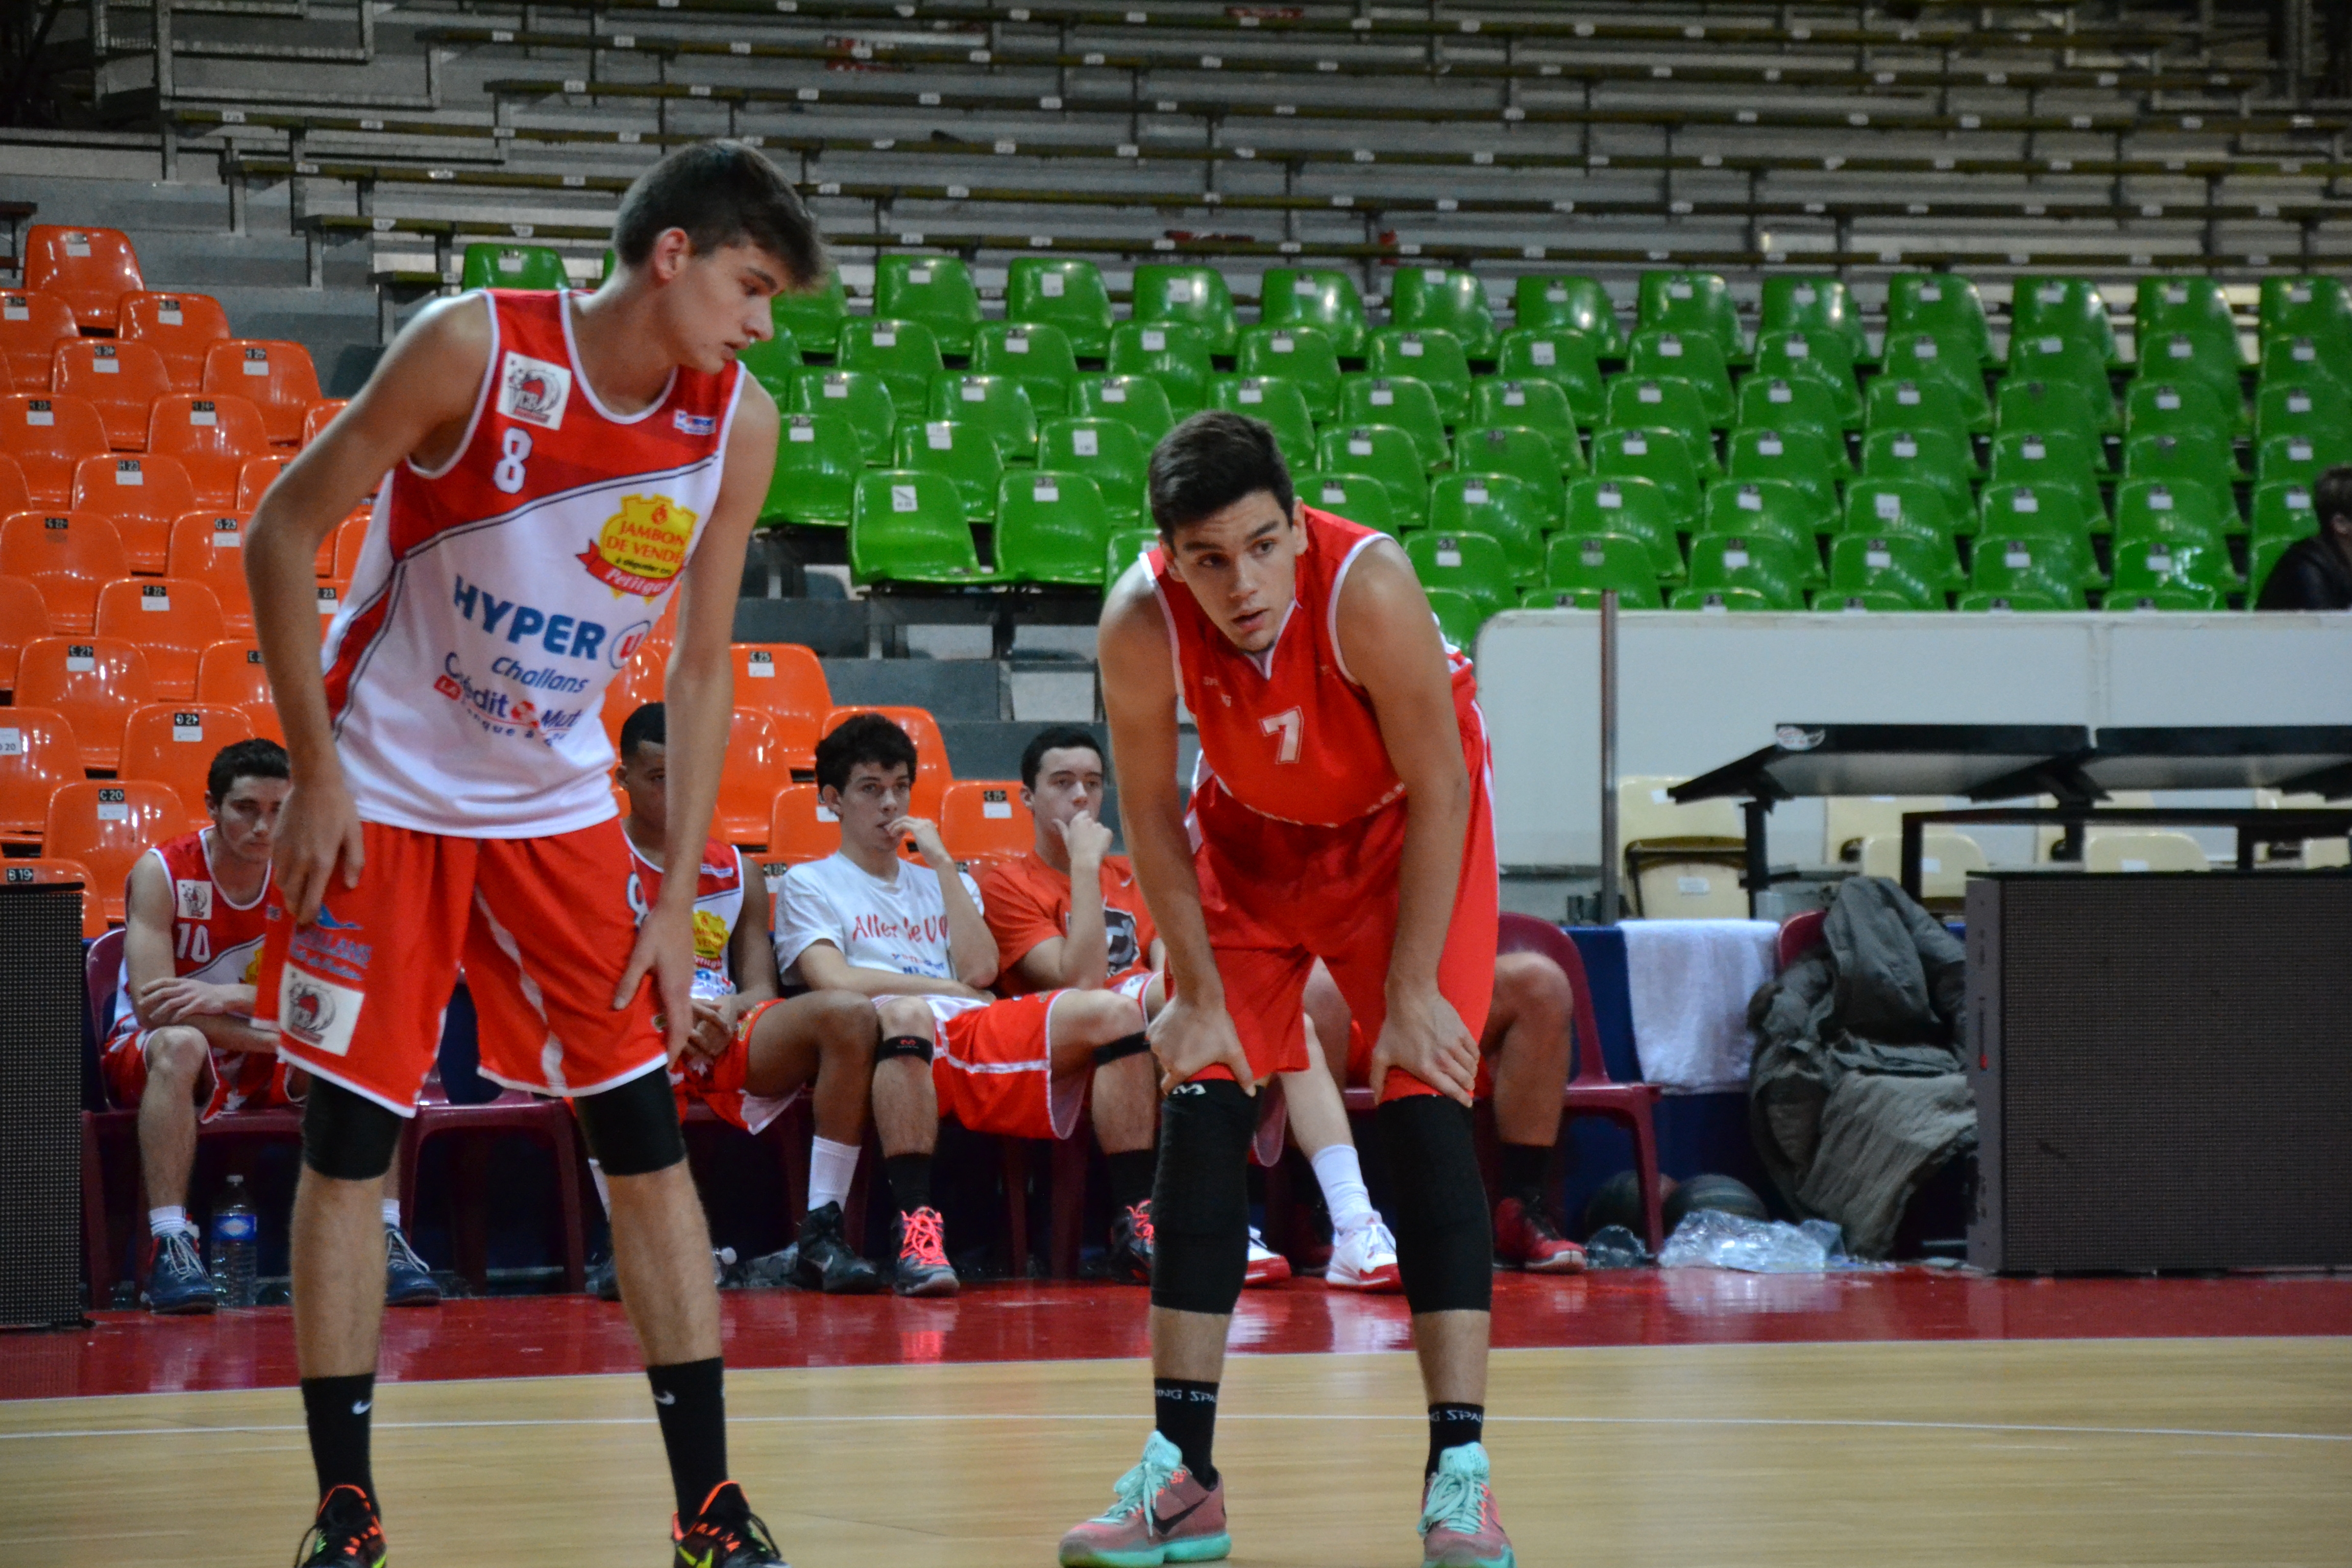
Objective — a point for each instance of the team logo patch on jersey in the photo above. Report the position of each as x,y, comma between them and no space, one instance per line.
709,933
695,424
642,547
193,898
318,1013
533,391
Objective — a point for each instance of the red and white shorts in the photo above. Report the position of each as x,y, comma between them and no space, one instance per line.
540,928
718,1082
231,1081
993,1066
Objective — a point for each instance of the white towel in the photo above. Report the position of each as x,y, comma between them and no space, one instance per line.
1690,981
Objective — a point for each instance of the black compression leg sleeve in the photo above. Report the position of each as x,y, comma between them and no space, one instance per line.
1200,1205
347,1136
1446,1246
632,1129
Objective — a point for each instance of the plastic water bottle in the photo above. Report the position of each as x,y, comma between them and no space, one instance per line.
236,1245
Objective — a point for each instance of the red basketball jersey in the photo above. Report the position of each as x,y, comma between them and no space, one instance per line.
1288,732
213,939
717,906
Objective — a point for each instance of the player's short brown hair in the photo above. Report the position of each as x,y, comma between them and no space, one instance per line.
253,759
721,194
1211,462
871,738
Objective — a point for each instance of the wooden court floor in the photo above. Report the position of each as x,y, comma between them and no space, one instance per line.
2203,1451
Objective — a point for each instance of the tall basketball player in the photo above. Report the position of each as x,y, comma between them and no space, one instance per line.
552,467
1342,814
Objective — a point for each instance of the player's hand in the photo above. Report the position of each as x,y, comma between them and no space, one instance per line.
665,950
1426,1038
1189,1038
1088,839
177,999
317,831
714,1027
928,843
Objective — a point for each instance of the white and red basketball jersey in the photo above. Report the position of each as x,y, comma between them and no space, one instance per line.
717,906
1288,732
497,595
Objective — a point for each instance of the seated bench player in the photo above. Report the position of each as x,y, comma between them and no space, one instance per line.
183,1049
751,1052
912,937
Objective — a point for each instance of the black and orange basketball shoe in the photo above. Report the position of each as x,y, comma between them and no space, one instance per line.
346,1534
725,1534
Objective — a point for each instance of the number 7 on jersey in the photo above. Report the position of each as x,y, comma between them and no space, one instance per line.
1289,723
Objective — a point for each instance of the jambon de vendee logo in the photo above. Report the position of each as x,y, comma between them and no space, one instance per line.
641,547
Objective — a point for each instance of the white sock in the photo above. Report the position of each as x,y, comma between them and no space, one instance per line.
392,1214
832,1167
1343,1189
172,1218
604,1193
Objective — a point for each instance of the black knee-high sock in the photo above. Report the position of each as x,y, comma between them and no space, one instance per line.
1186,1414
910,1177
1450,1427
336,1411
690,1403
1131,1172
1523,1165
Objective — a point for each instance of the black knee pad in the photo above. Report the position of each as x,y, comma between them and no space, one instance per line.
918,1047
347,1136
1119,1049
632,1129
1446,1244
1200,1200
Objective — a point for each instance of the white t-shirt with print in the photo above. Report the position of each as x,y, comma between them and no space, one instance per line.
899,925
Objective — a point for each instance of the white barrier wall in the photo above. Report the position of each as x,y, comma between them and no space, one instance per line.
1699,690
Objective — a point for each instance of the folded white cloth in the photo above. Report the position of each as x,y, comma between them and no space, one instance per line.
1689,984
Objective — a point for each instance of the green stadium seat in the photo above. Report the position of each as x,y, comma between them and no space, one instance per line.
964,453
862,395
1278,401
1821,357
2011,508
2304,358
1303,356
1802,457
1122,549
1512,511
1729,601
1324,300
1981,601
2173,508
1662,457
1693,303
1944,305
2204,455
1801,405
1383,452
2314,307
1812,303
1906,404
2183,303
936,290
905,354
1902,506
1174,355
1586,563
1922,357
1402,401
1359,498
812,316
773,362
1434,356
1576,305
1636,508
912,528
1469,563
1051,528
2026,404
2302,456
2281,511
1941,457
1107,451
1662,403
492,266
1537,404
1554,354
1421,298
1771,506
2214,363
818,460
2047,459
1037,355
1694,357
2159,407
2301,407
996,404
1168,293
1057,292
1140,400
1512,449
2153,566
2047,356
1757,563
1868,602
2264,556
1459,616
1896,564
2068,308
2174,594
2031,564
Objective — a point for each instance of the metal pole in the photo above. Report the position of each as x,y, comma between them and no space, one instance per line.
1608,915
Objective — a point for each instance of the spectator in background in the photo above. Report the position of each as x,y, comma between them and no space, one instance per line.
2315,573
184,1048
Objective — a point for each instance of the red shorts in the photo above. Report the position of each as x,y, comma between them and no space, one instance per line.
1359,1062
542,926
1278,895
718,1082
994,1070
231,1081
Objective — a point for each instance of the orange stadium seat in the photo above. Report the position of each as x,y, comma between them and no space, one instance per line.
231,671
47,436
30,326
68,557
349,538
213,435
332,591
207,547
183,328
985,817
801,829
755,769
785,681
173,744
90,269
15,496
275,376
171,619
143,494
38,751
121,381
107,824
931,772
255,475
95,682
47,870
320,414
24,616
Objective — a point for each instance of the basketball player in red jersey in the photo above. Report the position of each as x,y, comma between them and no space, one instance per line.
548,469
1341,813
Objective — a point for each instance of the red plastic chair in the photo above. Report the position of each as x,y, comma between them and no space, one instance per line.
231,671
96,683
144,494
754,770
90,269
24,616
208,547
183,328
255,475
320,414
547,1120
800,828
106,824
932,774
15,496
785,681
30,326
49,434
171,619
1800,934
